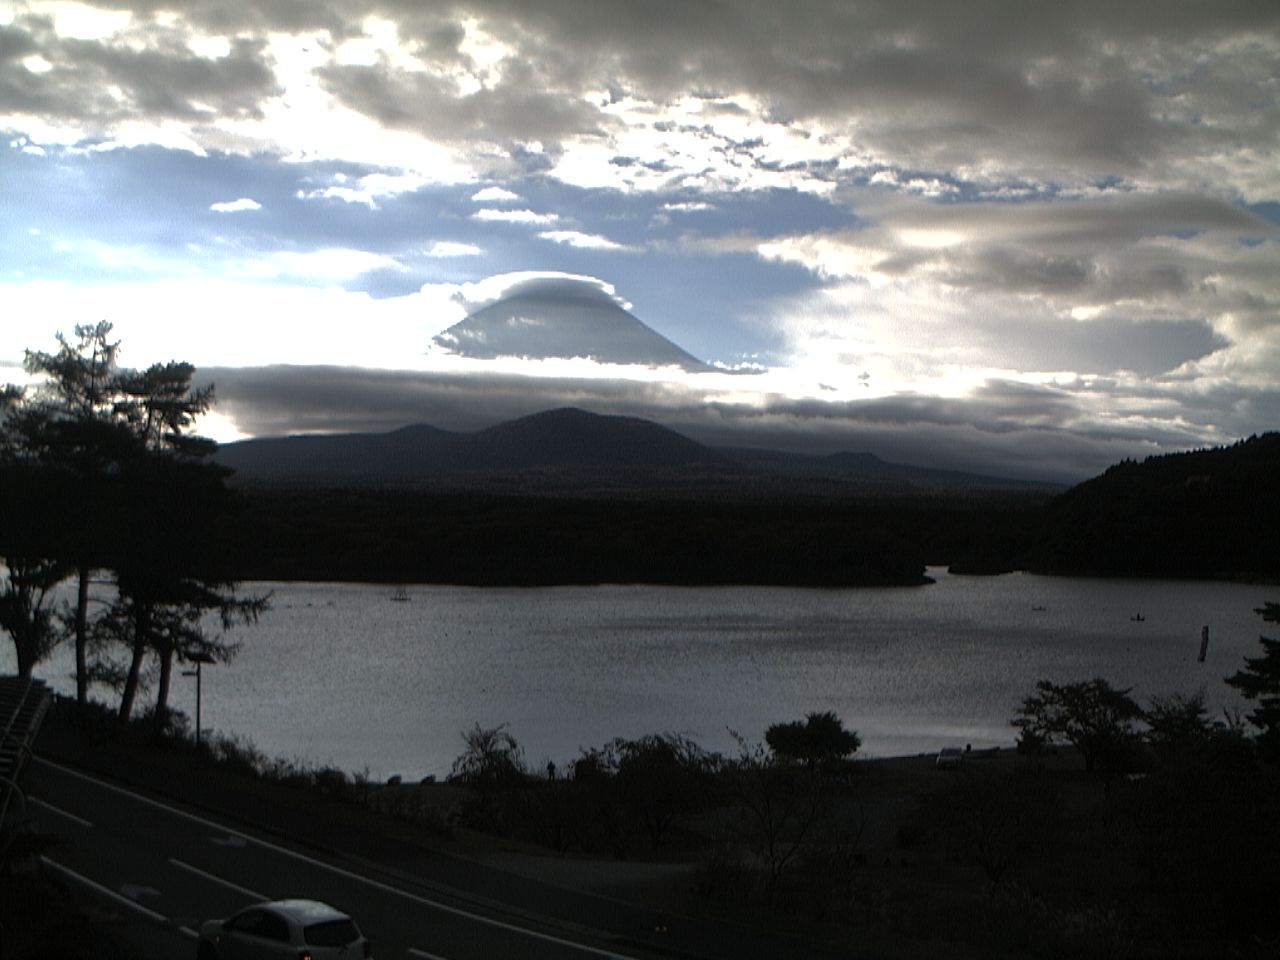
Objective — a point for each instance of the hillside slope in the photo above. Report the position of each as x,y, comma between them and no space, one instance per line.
1207,513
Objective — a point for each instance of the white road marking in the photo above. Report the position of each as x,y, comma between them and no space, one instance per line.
135,891
60,812
215,879
375,884
105,891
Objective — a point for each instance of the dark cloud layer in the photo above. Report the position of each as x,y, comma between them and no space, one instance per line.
1108,89
531,109
1006,428
107,85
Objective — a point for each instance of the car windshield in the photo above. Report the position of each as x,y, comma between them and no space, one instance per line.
332,933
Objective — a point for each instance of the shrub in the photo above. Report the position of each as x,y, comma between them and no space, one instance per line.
1091,715
493,758
819,740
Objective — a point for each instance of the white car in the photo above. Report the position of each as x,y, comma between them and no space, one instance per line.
297,929
949,758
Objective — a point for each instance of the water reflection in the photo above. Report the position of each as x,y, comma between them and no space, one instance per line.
360,676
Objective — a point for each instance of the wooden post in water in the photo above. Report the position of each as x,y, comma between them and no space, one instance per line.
1204,641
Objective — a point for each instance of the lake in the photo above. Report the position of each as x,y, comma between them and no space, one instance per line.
372,677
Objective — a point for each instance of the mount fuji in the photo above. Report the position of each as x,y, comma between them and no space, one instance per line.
562,318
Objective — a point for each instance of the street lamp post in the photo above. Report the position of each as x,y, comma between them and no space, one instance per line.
199,659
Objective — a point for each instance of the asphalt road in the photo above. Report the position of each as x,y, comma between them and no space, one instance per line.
169,869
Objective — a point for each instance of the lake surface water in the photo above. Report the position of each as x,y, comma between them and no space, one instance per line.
368,677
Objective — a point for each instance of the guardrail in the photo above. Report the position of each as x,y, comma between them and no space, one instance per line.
23,704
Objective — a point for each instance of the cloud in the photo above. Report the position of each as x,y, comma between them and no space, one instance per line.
449,249
1066,212
96,81
549,285
1139,284
514,216
367,189
495,195
584,241
526,101
909,96
235,206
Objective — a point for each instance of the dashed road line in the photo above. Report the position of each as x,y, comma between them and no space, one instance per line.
60,812
106,891
252,894
350,875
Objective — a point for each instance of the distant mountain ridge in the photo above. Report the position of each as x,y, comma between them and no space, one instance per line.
569,437
567,440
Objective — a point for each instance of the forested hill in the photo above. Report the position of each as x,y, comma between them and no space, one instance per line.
544,500
1207,513
568,496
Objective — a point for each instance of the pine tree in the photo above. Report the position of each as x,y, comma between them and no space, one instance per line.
1259,681
70,429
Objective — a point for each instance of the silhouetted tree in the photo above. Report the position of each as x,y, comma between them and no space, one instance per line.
1259,681
32,569
169,509
143,500
1203,826
168,620
817,741
493,757
780,803
175,495
1178,722
70,427
599,821
159,406
10,398
27,611
1091,715
660,778
493,766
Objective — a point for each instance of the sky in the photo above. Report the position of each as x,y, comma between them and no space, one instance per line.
1023,239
